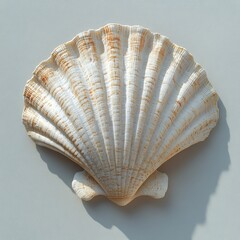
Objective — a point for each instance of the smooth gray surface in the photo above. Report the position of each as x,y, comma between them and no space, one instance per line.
36,200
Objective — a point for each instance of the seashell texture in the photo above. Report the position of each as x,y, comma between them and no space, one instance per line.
119,101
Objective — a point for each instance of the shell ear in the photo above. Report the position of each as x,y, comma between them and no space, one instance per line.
155,186
85,186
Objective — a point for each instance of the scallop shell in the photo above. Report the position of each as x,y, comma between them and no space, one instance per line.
119,101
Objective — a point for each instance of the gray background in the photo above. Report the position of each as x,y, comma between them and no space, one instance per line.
36,200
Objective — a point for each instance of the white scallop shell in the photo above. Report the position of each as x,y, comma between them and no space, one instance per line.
119,101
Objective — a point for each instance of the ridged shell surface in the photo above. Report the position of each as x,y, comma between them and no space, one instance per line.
119,101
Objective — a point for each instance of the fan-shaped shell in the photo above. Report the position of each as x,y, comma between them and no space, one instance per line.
119,101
